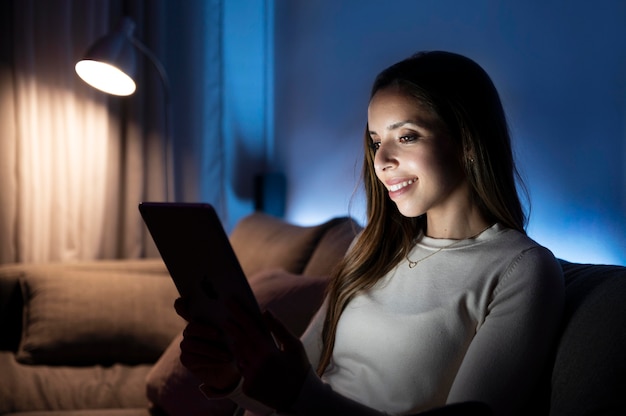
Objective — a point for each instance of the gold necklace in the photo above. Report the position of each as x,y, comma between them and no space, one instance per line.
413,263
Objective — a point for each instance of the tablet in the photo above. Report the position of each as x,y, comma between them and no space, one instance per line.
199,258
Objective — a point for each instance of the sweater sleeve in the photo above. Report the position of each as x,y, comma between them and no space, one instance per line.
509,351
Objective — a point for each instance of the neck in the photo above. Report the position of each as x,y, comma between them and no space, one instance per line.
459,229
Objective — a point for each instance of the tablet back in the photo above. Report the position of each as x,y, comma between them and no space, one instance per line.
199,257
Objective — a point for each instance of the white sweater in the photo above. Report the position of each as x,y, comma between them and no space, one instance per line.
472,322
475,321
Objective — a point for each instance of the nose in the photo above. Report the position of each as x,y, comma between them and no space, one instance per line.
384,159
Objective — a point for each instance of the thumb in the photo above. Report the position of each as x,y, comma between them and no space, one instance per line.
182,309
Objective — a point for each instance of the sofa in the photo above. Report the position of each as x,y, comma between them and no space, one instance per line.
101,338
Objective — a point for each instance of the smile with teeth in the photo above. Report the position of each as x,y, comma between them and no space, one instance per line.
404,184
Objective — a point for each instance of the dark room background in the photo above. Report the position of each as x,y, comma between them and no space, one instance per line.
281,86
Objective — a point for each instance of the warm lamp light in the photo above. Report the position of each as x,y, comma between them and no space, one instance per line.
110,66
105,77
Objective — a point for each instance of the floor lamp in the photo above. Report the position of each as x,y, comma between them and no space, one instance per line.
110,66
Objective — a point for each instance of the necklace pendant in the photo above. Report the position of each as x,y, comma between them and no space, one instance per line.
412,264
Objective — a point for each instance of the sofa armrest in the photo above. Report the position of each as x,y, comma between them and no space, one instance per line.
589,372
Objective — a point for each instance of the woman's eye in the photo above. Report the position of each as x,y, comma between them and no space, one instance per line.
374,146
408,138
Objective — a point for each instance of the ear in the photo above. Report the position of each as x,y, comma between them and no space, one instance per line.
469,156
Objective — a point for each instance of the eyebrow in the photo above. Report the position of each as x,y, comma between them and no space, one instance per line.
396,125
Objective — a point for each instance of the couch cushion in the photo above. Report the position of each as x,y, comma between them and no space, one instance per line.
263,242
292,298
589,374
85,314
332,247
26,388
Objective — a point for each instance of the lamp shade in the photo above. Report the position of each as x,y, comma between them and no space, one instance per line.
110,64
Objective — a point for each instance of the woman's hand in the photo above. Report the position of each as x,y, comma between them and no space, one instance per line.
205,352
271,359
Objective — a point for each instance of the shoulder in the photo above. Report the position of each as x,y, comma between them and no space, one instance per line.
519,250
526,254
531,269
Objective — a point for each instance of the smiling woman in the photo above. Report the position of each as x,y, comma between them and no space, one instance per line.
442,302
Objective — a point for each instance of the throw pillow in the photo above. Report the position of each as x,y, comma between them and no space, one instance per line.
294,299
78,318
264,242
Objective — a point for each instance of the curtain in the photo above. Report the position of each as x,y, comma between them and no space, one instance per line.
74,162
57,137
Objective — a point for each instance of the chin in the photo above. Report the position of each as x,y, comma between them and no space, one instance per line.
409,212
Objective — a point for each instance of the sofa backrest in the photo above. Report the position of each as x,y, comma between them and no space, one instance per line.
264,242
261,242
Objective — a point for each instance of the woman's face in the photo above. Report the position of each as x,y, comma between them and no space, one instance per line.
415,158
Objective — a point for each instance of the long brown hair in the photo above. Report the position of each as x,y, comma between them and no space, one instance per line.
462,96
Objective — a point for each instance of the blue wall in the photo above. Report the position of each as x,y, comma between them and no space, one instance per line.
247,63
560,67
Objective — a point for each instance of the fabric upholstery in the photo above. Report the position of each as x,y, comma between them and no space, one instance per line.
262,242
293,298
34,387
120,388
99,318
589,370
332,247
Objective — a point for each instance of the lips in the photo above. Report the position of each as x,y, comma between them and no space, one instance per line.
400,185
